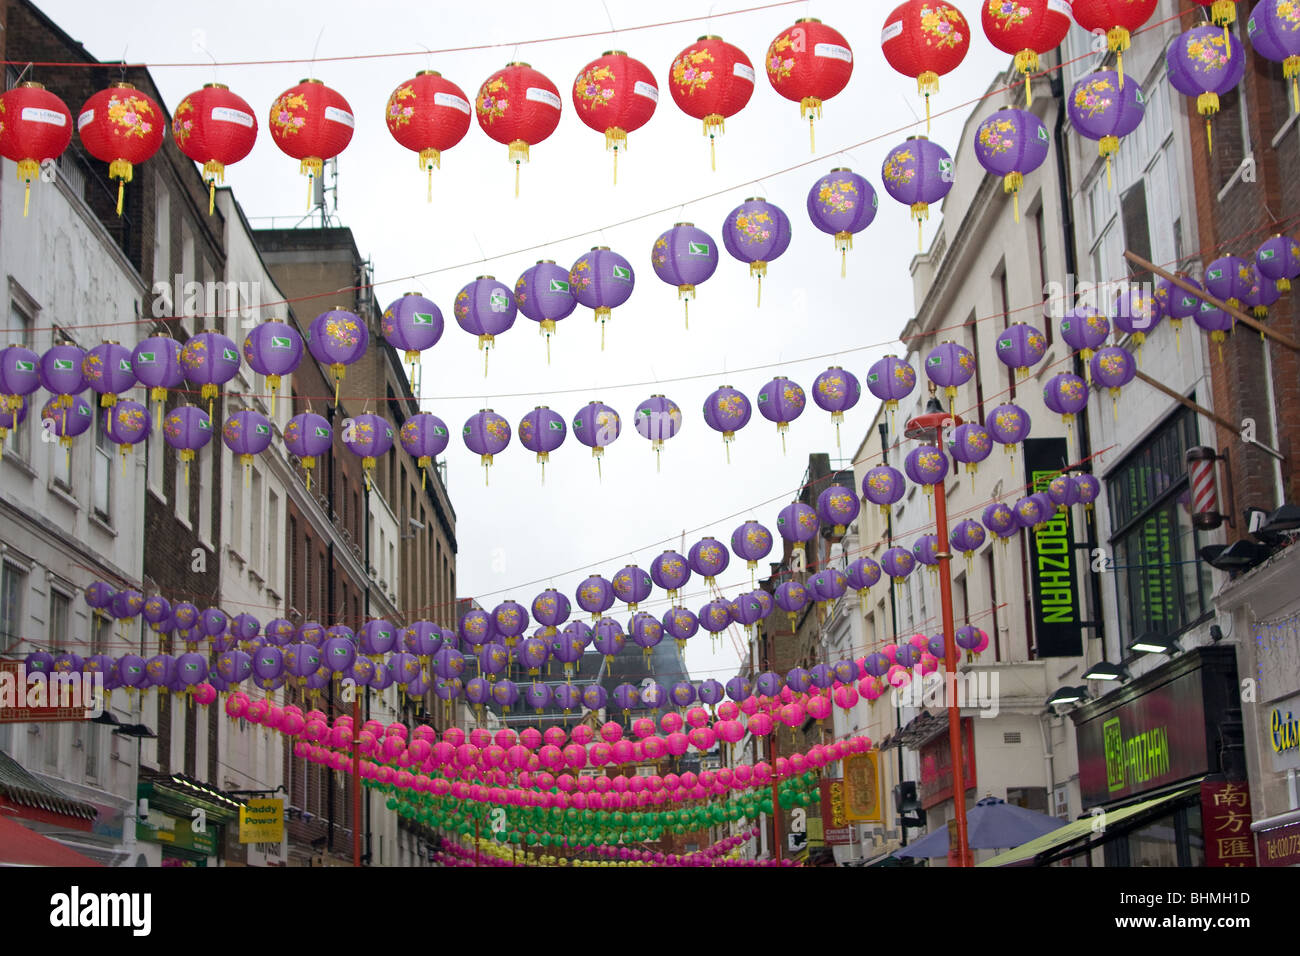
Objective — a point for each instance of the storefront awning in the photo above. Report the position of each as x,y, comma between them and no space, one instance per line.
26,795
1026,854
20,846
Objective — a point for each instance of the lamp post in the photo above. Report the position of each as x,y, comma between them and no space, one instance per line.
929,427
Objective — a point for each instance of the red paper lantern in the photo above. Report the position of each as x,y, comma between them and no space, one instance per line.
519,107
122,127
1115,18
809,63
925,39
1026,29
217,128
428,114
311,123
35,125
711,80
615,95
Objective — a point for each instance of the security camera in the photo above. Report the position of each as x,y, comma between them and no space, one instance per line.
417,525
308,816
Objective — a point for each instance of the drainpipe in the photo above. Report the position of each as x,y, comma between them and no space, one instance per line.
1049,756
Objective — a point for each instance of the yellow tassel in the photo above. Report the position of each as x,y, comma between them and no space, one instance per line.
27,198
121,184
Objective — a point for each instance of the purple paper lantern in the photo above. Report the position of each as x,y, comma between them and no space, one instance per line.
781,401
542,431
1084,330
424,437
1212,319
209,360
1008,425
1206,62
597,425
798,680
670,570
608,638
370,438
891,380
538,696
1264,294
836,391
66,422
797,523
19,374
627,697
1177,303
739,688
727,410
1021,347
99,595
1277,258
926,550
828,585
1066,394
544,294
1031,513
837,506
883,485
247,433
756,232
898,563
708,558
60,373
842,203
1089,488
1137,314
423,639
448,663
967,536
337,338
309,632
107,370
926,466
130,425
338,655
1104,108
631,585
658,419
157,610
1113,368
969,444
863,574
185,616
752,542
595,595
748,609
156,362
791,597
602,280
413,324
918,173
1063,491
509,620
1274,36
486,434
1012,143
273,349
475,628
532,653
715,616
187,429
680,624
376,637
949,366
1229,279
551,608
684,256
308,436
646,631
594,697
682,694
485,308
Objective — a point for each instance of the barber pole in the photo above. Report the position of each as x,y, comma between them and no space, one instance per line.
1205,496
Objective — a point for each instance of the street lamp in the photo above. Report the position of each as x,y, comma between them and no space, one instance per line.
929,427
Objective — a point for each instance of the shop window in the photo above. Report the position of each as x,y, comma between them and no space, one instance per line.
12,583
102,477
1162,585
1137,229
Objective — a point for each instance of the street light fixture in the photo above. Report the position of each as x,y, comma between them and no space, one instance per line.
1107,671
1154,644
1068,695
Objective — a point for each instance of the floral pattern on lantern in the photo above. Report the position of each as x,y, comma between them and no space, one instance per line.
756,232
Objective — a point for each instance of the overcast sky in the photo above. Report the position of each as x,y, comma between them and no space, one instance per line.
516,536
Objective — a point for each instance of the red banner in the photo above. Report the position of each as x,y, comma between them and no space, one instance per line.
936,766
1279,846
1225,821
835,828
41,698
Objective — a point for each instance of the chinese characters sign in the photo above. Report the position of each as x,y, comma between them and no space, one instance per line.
862,788
1225,820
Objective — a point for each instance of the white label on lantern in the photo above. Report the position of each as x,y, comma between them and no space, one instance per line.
744,71
227,115
891,30
1061,6
452,100
648,90
85,119
833,51
340,116
36,114
539,95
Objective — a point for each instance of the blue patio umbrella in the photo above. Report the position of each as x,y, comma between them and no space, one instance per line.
992,824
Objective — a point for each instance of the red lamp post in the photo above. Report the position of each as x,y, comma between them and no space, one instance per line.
929,427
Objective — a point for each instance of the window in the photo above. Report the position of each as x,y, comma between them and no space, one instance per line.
1137,230
162,237
273,541
989,570
1152,535
256,544
1040,236
12,583
61,463
293,564
154,457
60,608
189,305
182,497
102,468
237,493
17,442
205,462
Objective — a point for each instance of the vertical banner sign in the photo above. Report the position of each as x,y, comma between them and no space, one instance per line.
862,788
1051,558
1225,818
835,826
